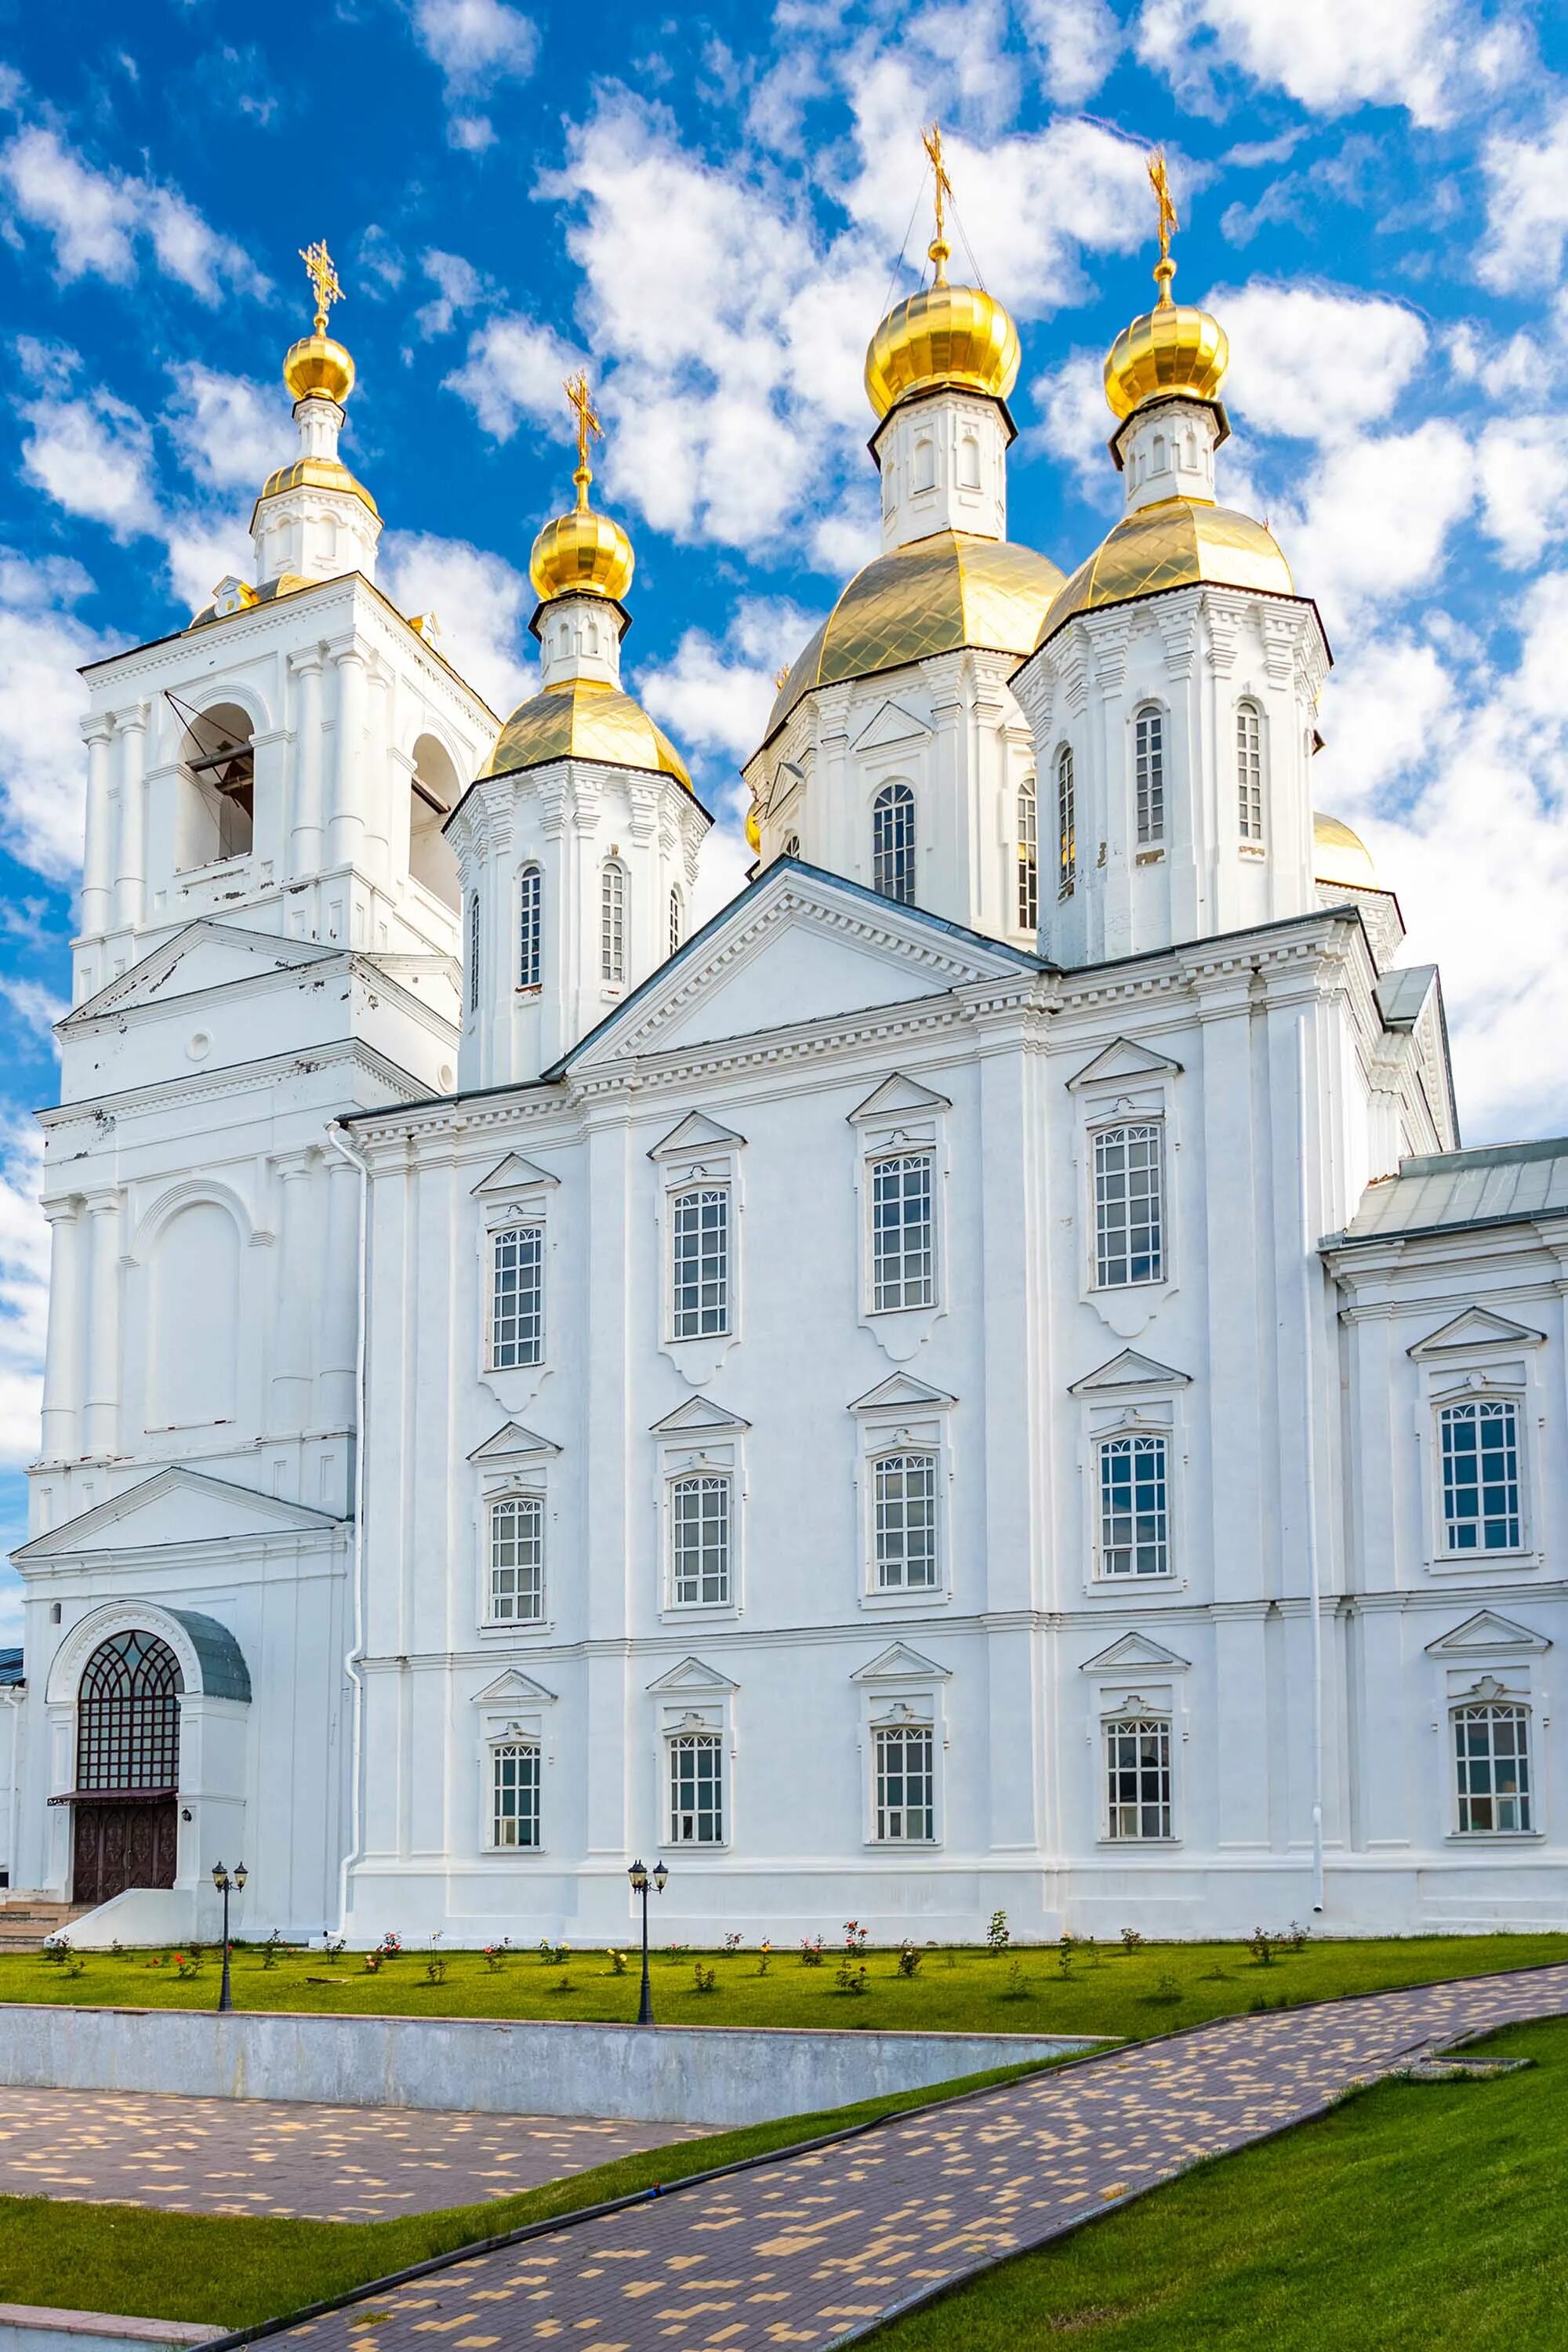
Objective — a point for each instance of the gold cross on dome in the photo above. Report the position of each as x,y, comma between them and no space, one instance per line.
1159,181
932,140
580,402
322,274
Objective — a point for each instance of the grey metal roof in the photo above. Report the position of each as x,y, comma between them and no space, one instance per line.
1402,993
225,1673
1505,1184
11,1666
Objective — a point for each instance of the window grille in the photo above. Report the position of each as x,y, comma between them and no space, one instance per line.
128,1714
893,843
700,1263
515,1793
1149,775
697,1789
474,952
1138,1772
1128,1206
905,1789
1134,1525
1480,1474
674,920
1249,770
1491,1753
1028,861
902,1256
517,1560
1066,825
517,1296
613,922
529,927
904,1506
699,1542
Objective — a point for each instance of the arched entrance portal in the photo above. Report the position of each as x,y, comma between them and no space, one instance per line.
127,1767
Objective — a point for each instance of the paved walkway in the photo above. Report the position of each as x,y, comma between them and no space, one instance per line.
278,2157
809,2252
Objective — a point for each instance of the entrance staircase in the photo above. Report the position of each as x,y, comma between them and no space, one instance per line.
25,1919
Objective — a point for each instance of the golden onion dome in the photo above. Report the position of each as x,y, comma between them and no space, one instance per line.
581,553
944,337
318,367
935,595
583,719
1173,349
1339,857
754,837
1175,544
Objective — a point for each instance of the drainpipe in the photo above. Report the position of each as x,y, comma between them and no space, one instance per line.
357,1648
1314,1580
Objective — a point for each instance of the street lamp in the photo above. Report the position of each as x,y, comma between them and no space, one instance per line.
641,1879
223,1882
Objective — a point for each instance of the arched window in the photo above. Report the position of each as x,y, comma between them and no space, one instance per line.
218,807
1028,860
893,843
1249,770
613,922
1149,775
529,927
128,1715
674,920
432,796
925,462
474,952
969,463
1066,825
193,1319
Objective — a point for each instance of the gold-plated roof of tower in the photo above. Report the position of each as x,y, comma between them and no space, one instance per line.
956,336
1175,544
585,719
1171,349
317,367
1339,857
581,552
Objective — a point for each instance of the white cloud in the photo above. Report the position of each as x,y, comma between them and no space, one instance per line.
1075,425
93,457
1431,56
1389,710
1313,361
1524,470
230,430
202,545
1373,518
515,368
42,768
1527,208
23,1292
483,605
1076,42
459,287
479,45
97,219
35,1007
714,695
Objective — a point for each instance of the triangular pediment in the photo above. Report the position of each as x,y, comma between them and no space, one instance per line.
696,1132
204,955
1132,1655
1123,1058
798,946
513,1444
692,1676
1129,1370
892,724
698,1417
897,1096
512,1174
1485,1632
899,1664
899,1390
175,1507
514,1688
1477,1327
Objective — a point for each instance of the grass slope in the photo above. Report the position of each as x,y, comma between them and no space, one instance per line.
1413,2218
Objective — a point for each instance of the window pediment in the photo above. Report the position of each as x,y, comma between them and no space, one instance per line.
692,1679
512,1442
512,1174
1133,1653
1477,1327
1123,1060
1129,1370
696,1133
1487,1633
899,1664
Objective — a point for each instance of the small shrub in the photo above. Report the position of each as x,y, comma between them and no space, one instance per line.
854,1935
272,1950
1166,1988
1131,1941
852,1975
909,1960
1017,1985
811,1951
1067,1952
494,1956
374,1963
57,1950
391,1945
676,1951
435,1969
75,1965
765,1954
998,1935
618,1964
1295,1936
552,1955
733,1943
1092,1949
188,1964
1260,1944
117,1949
333,1948
707,1979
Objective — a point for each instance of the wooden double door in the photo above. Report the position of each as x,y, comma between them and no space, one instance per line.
122,1844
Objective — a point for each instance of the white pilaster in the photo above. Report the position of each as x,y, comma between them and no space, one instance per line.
98,870
306,666
346,833
100,1433
131,877
62,1362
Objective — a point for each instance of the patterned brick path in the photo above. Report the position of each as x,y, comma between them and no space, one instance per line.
277,2158
809,2250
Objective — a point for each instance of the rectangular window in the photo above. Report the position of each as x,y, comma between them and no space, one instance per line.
1134,1522
697,1790
905,1808
1066,825
1491,1751
700,1263
1149,775
474,952
1127,1210
699,1542
1249,771
514,1794
1028,861
904,1489
1480,1475
613,922
902,1260
517,1296
1137,1771
517,1560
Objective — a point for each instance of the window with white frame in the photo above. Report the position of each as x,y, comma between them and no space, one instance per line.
700,1261
697,1789
675,924
700,1510
517,1560
1028,859
905,1794
1138,1777
1149,776
903,1510
517,1296
1134,1506
474,952
1067,823
893,843
529,927
1480,1444
1129,1209
1249,770
515,1793
903,1258
1492,1756
613,922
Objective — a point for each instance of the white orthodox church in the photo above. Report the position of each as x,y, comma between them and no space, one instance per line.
980,1378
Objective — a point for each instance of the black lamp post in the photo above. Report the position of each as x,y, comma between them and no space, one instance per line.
641,1879
223,1882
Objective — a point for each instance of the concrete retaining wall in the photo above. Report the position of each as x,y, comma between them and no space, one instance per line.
635,2073
31,2327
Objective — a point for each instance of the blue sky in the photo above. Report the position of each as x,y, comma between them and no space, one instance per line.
708,209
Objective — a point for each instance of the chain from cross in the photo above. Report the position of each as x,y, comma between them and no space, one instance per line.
323,277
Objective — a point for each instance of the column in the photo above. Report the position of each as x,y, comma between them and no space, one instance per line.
338,1296
101,1419
305,855
346,845
62,1362
132,873
97,876
377,778
291,1336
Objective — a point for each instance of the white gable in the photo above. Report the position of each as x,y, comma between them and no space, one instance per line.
692,1675
901,1664
1133,1651
1477,1327
513,1174
173,1507
1129,1370
889,725
207,956
1123,1058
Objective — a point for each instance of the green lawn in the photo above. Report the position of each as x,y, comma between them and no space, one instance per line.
1416,2218
1108,1991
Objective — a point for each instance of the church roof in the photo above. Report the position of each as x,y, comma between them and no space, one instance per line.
585,719
1441,1192
935,595
1174,544
11,1668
